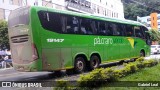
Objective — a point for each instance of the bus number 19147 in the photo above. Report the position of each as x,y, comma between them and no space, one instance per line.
55,40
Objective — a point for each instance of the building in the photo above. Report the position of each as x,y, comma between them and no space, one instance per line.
152,21
6,6
107,8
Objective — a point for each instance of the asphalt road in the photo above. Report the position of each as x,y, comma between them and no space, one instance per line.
12,75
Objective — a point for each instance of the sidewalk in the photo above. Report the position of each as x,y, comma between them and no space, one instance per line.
6,68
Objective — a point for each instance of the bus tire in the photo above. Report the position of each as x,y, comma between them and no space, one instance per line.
94,62
142,53
79,65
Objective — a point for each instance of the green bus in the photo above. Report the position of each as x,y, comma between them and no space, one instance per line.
46,39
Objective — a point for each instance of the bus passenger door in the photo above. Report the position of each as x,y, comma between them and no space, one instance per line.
127,46
114,41
115,49
139,40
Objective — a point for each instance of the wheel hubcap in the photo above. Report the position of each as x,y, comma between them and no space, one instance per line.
79,65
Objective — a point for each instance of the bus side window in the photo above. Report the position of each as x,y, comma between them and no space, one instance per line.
85,26
89,27
115,28
144,30
75,23
72,24
146,35
121,29
94,27
50,21
102,30
148,39
129,30
68,25
109,29
54,22
82,27
124,29
138,32
63,21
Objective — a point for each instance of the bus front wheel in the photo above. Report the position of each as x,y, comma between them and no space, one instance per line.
142,54
79,65
94,62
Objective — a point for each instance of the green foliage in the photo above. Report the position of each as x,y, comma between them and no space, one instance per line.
62,85
131,11
120,73
139,63
131,68
150,63
141,8
141,59
109,75
146,74
155,35
4,42
100,76
93,79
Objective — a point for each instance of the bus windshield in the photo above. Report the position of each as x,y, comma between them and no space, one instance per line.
19,16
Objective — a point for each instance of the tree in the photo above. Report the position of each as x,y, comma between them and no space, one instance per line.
155,35
4,41
134,8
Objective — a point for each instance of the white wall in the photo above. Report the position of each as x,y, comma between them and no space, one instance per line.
112,7
108,6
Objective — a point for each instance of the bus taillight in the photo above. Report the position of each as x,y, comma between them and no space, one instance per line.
34,51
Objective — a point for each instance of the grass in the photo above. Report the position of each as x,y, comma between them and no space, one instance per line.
146,74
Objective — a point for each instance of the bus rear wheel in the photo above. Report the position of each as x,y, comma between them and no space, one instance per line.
94,62
79,65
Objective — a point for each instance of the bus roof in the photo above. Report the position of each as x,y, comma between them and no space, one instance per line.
91,16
